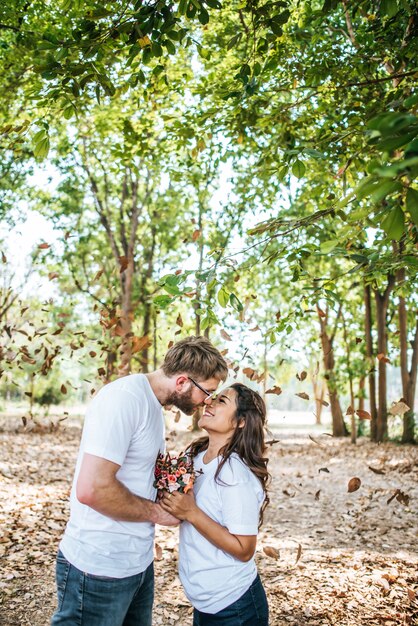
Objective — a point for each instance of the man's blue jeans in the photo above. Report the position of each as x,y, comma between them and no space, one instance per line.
251,609
88,600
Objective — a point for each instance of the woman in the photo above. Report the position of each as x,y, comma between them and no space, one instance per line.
222,515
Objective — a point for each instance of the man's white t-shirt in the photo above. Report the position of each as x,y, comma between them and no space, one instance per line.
124,424
213,579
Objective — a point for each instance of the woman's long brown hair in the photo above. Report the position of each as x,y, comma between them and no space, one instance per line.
248,441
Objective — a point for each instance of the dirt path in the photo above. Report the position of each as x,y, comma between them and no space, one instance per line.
326,556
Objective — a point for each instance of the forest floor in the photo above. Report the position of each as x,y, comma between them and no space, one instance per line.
326,556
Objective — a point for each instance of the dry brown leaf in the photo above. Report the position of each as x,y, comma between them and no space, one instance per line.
302,395
140,343
63,388
399,408
274,390
383,357
44,246
225,335
179,320
363,415
353,484
302,375
196,234
271,552
299,553
158,552
123,263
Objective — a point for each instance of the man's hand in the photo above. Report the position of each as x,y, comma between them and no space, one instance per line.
164,518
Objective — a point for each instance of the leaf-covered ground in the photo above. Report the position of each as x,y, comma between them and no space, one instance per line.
326,556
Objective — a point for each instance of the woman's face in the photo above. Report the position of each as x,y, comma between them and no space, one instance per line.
218,415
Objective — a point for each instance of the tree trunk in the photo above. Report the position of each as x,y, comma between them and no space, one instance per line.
368,323
125,323
409,376
382,304
338,426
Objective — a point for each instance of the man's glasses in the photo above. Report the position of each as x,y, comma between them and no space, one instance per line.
209,394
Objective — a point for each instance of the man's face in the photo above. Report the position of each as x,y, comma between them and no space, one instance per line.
188,396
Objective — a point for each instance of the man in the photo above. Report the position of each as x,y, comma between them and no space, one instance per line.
104,566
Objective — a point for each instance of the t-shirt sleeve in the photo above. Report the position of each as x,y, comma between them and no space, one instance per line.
241,497
111,422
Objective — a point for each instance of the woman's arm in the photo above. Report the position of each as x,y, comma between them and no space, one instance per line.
184,507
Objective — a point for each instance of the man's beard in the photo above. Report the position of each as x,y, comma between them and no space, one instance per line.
182,401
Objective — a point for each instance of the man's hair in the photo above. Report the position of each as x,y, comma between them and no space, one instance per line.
195,356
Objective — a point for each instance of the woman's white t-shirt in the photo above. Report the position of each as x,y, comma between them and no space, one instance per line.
213,579
124,424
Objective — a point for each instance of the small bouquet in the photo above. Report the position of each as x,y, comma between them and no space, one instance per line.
174,473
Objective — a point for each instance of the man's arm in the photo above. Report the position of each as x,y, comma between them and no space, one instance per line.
98,488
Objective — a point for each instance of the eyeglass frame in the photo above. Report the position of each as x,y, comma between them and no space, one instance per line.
207,393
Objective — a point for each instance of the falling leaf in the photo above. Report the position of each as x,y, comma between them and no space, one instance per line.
225,335
249,372
323,402
101,371
274,390
375,470
196,234
317,494
318,443
302,395
252,330
290,494
92,354
363,415
99,273
3,257
63,389
140,343
24,420
158,552
271,552
400,496
44,246
353,484
399,408
53,275
321,312
383,357
179,320
324,469
177,417
350,410
302,375
299,553
123,263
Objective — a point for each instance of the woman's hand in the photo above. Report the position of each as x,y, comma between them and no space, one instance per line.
180,505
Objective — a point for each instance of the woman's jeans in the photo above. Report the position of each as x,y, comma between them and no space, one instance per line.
88,600
250,610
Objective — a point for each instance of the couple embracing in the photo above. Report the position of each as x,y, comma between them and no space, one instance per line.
104,568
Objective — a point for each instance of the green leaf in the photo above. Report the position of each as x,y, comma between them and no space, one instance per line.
393,223
327,246
236,303
223,297
41,149
384,188
412,204
298,169
162,301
